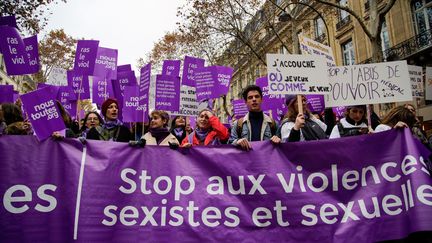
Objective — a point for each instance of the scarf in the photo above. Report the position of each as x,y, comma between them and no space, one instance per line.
112,124
178,131
159,133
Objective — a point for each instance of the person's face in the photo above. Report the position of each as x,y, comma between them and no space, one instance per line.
356,114
92,121
180,121
112,112
412,109
253,100
156,121
203,121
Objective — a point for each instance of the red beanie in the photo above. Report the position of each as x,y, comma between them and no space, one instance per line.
106,104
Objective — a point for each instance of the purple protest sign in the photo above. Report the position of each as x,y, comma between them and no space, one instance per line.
6,93
132,110
144,87
67,98
85,56
106,63
14,53
212,82
43,112
124,68
79,83
32,49
123,79
167,93
240,108
102,90
315,103
171,67
192,122
9,21
16,96
339,111
71,108
189,66
270,101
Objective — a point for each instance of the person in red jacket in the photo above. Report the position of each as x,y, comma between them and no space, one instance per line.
209,131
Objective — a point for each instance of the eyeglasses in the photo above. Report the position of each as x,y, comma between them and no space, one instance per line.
92,119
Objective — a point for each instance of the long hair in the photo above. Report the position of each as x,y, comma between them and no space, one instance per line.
399,113
292,112
173,122
11,113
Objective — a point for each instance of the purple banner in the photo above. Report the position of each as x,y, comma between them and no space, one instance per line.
216,194
132,110
32,49
102,90
6,93
13,49
240,108
315,103
144,87
171,67
42,111
106,63
79,83
124,68
167,93
212,82
85,56
189,66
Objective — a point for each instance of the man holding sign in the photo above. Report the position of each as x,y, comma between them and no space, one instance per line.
255,125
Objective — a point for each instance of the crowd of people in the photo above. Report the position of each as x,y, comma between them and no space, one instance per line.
254,126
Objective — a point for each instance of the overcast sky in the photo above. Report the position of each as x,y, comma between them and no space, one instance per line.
131,26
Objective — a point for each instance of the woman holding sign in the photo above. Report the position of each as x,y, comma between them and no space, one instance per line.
158,133
113,129
300,126
354,123
209,131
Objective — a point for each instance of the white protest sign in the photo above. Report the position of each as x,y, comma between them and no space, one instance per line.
152,94
57,77
188,102
369,84
311,47
416,78
297,74
428,85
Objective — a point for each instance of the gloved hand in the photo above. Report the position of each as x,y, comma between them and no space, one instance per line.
174,146
82,140
140,143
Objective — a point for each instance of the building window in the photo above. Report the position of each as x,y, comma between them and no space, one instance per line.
385,40
348,53
283,50
422,14
257,71
319,28
343,14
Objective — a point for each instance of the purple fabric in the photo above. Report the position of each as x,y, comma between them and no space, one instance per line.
132,111
131,194
167,93
68,99
124,68
123,79
85,56
315,103
32,49
42,111
79,83
14,52
106,63
15,96
9,21
6,93
171,67
212,82
102,90
271,103
339,111
240,108
190,64
144,87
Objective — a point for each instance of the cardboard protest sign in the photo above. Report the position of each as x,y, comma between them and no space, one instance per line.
14,51
79,83
311,47
212,82
240,108
297,74
428,83
369,84
85,56
32,49
58,77
132,110
190,64
43,112
416,78
171,67
167,96
6,93
106,63
102,90
189,105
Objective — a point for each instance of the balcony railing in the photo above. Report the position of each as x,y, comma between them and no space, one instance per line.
410,46
343,22
321,37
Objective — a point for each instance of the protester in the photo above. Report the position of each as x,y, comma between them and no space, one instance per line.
71,129
12,121
398,117
209,131
354,123
113,129
158,133
417,130
92,119
178,127
300,127
255,125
